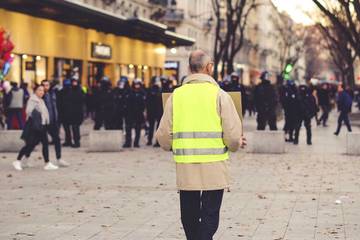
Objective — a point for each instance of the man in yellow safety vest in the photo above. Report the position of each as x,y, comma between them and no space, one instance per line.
200,125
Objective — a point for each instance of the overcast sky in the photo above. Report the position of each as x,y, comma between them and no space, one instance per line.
296,9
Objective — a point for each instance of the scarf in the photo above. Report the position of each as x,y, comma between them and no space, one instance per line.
38,103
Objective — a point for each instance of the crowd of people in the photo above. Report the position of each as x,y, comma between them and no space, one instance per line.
122,107
301,104
130,106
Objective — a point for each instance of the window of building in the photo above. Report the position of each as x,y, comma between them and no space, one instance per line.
28,69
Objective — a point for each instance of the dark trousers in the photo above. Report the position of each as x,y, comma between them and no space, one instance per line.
291,123
102,119
72,132
130,124
17,113
343,117
200,213
307,124
266,118
53,131
152,122
29,147
325,115
2,124
118,123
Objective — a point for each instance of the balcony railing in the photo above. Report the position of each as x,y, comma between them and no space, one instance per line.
173,15
163,3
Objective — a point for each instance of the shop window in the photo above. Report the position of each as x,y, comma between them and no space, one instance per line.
28,69
40,68
132,72
124,71
67,68
96,72
146,73
14,74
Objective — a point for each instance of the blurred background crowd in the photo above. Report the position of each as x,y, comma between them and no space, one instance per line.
130,105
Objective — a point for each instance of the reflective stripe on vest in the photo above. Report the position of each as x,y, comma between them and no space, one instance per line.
198,135
197,130
201,151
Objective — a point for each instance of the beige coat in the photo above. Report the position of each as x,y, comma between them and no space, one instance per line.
204,176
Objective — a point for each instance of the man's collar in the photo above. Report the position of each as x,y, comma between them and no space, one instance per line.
199,77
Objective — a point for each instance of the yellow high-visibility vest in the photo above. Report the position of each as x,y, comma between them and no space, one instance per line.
197,131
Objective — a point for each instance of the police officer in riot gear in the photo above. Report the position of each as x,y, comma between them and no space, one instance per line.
154,108
235,86
226,84
103,105
134,112
119,93
290,103
265,98
307,110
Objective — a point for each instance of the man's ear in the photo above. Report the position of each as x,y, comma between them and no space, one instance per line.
209,69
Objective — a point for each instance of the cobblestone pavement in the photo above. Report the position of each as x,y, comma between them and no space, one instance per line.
307,193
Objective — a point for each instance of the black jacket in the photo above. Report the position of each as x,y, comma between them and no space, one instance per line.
71,105
154,105
344,102
33,128
307,103
135,105
118,98
265,98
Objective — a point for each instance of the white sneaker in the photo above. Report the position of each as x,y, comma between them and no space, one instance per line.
63,163
17,165
50,166
25,163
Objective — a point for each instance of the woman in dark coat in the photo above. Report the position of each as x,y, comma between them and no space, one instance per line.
35,131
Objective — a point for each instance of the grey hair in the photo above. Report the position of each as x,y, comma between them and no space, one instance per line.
198,60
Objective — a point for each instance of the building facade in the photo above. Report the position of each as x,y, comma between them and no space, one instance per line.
51,43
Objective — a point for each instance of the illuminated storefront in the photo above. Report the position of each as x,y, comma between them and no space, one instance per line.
28,69
58,46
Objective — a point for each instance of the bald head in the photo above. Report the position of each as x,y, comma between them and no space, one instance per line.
199,62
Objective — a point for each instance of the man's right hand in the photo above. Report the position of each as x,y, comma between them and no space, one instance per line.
243,142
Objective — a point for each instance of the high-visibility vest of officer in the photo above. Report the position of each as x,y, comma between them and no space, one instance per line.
200,125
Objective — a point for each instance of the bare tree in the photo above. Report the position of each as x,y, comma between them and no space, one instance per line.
340,51
291,37
313,47
345,16
229,30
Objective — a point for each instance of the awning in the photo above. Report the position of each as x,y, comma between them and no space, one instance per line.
87,16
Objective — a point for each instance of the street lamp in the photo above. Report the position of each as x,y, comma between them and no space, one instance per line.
173,50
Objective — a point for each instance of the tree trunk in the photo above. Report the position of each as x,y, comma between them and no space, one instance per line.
350,76
230,65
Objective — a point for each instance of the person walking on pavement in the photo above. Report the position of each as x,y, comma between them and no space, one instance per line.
324,103
35,131
154,108
344,103
14,103
53,126
306,111
265,102
200,125
134,117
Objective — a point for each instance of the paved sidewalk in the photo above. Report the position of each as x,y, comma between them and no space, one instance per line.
309,193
